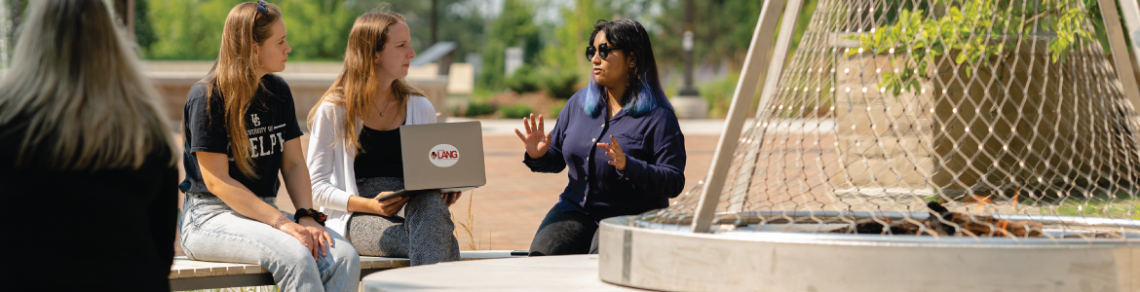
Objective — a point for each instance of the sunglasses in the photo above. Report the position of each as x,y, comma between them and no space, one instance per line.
261,6
603,49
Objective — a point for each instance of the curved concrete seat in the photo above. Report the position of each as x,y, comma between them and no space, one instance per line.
548,273
188,274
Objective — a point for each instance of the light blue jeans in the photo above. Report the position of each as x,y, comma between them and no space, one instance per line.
212,231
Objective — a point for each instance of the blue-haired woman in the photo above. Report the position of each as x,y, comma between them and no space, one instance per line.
619,137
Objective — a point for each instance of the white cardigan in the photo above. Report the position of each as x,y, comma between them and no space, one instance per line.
331,163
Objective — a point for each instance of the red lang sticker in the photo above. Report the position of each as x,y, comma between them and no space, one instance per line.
443,155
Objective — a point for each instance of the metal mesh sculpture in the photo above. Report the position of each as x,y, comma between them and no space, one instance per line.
978,118
912,145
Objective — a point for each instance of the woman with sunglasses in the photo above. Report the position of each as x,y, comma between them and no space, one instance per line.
618,136
240,132
370,101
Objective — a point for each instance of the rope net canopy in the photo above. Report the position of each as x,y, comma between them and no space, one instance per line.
979,118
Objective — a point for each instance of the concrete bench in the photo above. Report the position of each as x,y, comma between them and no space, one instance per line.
194,275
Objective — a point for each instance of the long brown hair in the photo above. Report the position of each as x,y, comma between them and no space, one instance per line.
357,87
77,83
233,75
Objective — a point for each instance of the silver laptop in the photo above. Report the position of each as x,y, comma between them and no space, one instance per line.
447,156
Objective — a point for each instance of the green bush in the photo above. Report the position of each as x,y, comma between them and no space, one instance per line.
718,93
559,84
192,29
523,80
476,108
517,111
556,109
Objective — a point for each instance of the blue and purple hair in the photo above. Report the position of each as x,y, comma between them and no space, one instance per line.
644,93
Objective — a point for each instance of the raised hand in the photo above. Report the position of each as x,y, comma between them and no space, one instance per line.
614,152
536,139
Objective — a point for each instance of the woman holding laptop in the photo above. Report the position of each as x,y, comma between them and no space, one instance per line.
618,136
355,156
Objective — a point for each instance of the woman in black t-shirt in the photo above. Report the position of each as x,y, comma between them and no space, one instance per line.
240,131
87,164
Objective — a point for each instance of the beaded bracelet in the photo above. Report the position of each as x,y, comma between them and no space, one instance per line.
278,221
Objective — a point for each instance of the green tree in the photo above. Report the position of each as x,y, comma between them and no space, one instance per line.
459,21
144,31
318,30
566,52
187,29
192,29
940,36
513,27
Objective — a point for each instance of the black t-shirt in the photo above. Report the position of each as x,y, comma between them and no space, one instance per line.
381,156
122,219
270,122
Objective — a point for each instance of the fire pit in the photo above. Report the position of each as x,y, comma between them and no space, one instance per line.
802,257
929,145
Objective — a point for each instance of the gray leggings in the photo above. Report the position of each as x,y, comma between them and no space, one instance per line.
422,231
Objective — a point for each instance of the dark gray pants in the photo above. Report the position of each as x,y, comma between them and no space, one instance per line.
422,231
563,233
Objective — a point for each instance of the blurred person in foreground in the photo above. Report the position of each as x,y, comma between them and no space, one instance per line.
87,162
618,136
241,132
370,101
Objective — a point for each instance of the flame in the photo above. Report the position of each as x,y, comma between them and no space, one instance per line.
1016,192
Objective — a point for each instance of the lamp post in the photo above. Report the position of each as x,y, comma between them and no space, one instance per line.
687,45
689,105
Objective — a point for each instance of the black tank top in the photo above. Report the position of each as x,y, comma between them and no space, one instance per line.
381,156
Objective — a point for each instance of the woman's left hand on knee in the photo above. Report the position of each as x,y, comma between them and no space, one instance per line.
321,237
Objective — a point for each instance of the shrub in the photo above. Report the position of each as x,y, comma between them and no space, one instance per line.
559,84
523,80
555,109
517,111
475,108
719,92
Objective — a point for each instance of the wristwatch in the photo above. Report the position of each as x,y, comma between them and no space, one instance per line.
311,213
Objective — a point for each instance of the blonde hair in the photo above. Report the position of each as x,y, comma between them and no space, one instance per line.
77,83
357,86
234,73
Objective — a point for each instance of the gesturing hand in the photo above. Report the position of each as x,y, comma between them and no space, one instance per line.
536,139
613,150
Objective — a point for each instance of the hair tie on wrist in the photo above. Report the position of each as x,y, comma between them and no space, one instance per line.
311,213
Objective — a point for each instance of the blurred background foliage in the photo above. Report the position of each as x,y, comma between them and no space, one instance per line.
552,33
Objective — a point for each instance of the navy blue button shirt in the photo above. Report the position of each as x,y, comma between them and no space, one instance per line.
655,160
